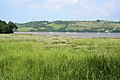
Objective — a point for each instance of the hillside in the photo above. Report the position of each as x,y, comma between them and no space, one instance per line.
70,26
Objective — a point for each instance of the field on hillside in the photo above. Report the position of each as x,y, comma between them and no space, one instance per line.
28,57
70,26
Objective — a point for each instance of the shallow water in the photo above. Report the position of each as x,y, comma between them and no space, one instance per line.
74,34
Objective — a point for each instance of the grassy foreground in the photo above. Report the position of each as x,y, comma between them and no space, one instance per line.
28,57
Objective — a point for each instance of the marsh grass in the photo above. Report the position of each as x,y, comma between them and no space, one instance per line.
28,57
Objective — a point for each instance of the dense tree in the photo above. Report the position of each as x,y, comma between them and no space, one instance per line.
98,20
7,28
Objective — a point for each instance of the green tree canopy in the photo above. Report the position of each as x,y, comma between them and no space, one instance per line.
7,28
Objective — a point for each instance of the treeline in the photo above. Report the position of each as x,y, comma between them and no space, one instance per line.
6,28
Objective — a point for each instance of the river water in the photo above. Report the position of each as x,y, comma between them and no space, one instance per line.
74,34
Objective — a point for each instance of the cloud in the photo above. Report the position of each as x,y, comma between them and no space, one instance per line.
59,4
93,7
18,2
27,3
109,7
79,7
72,1
52,4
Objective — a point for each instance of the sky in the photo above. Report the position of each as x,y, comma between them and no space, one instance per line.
29,10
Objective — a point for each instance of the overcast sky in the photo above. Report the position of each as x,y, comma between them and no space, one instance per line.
27,10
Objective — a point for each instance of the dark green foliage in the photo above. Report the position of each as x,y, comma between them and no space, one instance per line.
98,20
7,28
103,68
64,22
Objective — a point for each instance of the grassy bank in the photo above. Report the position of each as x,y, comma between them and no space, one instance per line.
28,57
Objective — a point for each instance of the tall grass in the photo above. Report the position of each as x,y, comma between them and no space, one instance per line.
27,57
